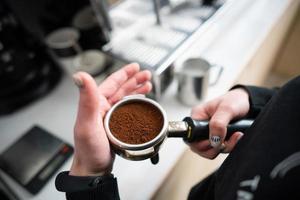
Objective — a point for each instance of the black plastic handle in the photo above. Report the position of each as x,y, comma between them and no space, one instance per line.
199,130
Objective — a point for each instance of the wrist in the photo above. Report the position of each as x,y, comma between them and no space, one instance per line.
244,100
78,169
242,92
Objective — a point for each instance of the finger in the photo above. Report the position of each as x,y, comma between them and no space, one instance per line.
230,144
88,109
131,85
200,112
204,149
205,111
111,84
218,125
201,146
144,89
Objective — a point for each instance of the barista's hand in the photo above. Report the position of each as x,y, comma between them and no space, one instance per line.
93,155
220,111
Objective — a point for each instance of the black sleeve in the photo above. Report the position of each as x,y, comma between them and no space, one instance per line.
258,98
87,187
203,190
108,190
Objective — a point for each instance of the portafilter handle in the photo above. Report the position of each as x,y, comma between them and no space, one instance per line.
195,130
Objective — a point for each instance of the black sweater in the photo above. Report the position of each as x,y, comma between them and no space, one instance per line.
265,164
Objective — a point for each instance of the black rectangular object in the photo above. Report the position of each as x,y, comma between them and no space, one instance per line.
34,158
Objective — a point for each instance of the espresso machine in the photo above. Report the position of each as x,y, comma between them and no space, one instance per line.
29,69
27,72
155,33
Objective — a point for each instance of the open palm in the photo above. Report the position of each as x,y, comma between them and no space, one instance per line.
93,155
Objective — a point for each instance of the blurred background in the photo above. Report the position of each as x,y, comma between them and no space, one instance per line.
42,43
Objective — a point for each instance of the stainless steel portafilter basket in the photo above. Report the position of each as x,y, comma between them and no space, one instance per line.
137,151
188,129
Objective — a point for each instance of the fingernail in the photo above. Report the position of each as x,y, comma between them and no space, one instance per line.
222,148
215,141
77,80
135,63
240,136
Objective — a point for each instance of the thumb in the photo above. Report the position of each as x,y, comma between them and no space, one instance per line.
88,110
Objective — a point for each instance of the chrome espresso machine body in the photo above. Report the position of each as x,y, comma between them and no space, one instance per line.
155,33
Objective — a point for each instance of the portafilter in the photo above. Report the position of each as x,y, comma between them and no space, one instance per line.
189,129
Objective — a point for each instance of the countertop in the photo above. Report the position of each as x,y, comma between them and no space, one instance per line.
230,42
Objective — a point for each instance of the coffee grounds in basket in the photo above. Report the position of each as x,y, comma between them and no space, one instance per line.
136,122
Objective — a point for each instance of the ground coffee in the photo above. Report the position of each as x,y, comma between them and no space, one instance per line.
136,122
